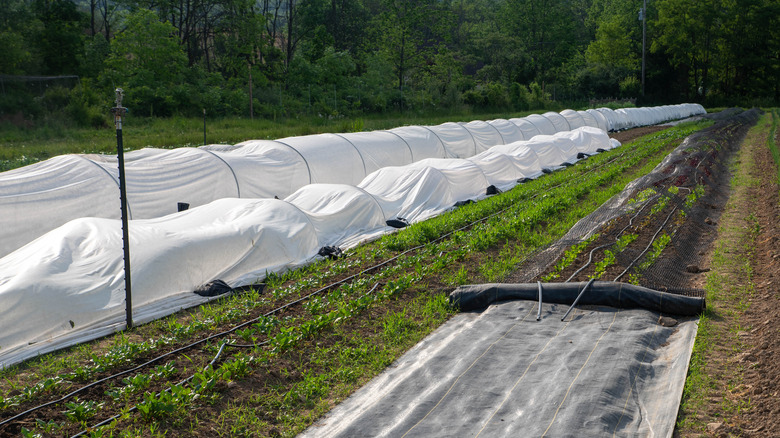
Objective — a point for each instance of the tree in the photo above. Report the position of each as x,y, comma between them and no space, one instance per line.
408,33
147,61
545,29
61,38
689,33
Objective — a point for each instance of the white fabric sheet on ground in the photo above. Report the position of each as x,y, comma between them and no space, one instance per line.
500,373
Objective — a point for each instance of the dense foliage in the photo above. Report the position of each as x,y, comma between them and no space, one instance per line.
272,58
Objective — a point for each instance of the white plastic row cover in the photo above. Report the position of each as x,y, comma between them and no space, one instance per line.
40,197
68,286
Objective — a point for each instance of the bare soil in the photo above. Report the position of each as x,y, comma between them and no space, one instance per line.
762,378
631,134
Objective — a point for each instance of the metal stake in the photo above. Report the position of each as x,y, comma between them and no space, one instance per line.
119,111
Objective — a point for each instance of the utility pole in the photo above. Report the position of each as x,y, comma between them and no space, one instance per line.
119,111
251,101
643,17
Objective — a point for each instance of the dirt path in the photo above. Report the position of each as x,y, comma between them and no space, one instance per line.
733,388
762,380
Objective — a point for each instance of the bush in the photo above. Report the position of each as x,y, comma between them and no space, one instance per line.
539,99
521,97
630,87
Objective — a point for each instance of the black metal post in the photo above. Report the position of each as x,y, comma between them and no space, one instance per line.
204,126
119,111
644,40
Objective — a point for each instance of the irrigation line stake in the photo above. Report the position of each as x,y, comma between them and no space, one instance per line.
539,312
119,111
577,300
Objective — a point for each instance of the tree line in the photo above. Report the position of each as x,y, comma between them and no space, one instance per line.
341,57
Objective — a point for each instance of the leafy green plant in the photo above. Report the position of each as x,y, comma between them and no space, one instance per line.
568,257
80,411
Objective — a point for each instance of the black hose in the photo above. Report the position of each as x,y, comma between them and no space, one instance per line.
630,265
213,361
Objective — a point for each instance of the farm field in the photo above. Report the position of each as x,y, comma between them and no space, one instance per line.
269,361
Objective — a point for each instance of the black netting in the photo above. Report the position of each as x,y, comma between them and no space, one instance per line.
656,233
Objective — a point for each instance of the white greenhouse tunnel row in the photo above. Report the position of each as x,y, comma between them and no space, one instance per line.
41,197
68,286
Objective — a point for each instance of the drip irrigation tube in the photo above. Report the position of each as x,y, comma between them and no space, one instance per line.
630,265
590,255
213,361
539,312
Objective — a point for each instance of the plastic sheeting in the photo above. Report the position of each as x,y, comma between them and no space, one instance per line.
485,135
158,180
573,118
558,121
508,130
604,371
67,286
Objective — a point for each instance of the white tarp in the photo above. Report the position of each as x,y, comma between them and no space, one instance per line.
542,123
158,179
526,127
559,122
505,165
264,168
589,120
426,188
601,120
67,286
485,135
422,142
45,195
457,140
509,131
331,158
379,149
338,212
573,118
38,198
